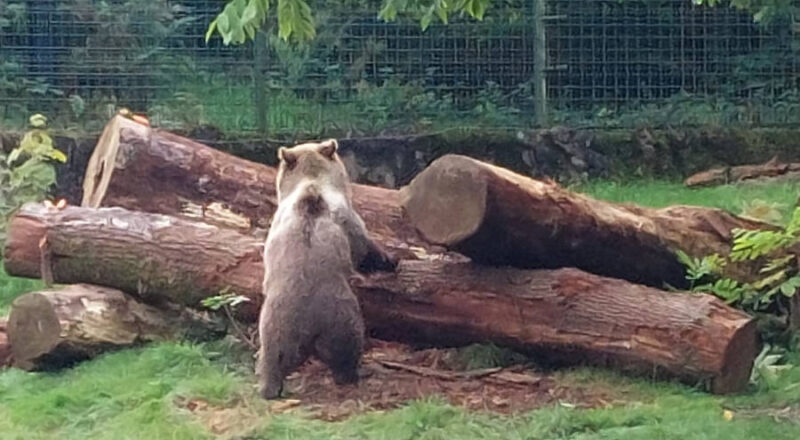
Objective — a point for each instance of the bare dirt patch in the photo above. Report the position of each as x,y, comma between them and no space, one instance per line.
394,374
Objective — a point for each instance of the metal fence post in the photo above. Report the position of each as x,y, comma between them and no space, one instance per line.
260,60
539,63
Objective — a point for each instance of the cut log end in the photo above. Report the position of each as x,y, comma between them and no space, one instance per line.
34,318
51,329
447,201
737,363
22,257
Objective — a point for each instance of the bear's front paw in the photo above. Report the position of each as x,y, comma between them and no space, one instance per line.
378,260
388,263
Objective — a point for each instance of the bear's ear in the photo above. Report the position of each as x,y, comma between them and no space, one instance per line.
328,148
287,156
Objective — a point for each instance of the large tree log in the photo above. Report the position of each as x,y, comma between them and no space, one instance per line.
564,312
733,174
495,216
149,255
145,169
53,328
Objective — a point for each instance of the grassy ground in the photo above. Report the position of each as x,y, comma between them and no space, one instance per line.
142,393
734,198
10,288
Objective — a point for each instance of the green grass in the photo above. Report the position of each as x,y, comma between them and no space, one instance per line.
132,394
658,193
11,287
371,110
128,394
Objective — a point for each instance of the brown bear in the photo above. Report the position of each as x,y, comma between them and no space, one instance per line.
314,243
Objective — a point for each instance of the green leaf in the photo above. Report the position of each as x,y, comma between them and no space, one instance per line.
476,8
790,286
777,264
15,153
77,104
224,24
295,20
427,18
225,299
389,10
726,289
441,10
752,244
793,228
684,258
57,155
36,173
211,28
251,12
771,280
38,121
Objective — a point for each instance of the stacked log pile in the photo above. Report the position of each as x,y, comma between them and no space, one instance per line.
553,273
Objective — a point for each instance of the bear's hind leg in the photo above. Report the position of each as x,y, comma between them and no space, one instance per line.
269,370
341,352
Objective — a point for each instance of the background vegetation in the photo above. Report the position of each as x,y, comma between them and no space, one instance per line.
610,64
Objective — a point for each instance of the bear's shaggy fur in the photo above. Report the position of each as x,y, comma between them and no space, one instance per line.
314,243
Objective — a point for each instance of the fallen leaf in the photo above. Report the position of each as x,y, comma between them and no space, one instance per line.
727,415
284,405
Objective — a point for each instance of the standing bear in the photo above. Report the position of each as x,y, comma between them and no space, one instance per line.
315,242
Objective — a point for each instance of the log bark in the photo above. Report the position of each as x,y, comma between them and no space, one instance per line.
735,174
563,314
50,329
497,217
148,255
145,169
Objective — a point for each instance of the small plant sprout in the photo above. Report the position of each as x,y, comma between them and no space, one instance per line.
228,302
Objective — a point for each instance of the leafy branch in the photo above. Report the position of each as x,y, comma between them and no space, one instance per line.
240,20
28,172
780,272
764,11
227,302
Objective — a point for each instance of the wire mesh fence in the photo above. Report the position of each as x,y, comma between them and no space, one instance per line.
608,64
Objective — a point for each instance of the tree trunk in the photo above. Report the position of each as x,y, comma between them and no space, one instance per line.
144,169
55,328
497,217
734,174
565,314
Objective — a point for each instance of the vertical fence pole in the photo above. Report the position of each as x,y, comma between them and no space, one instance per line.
259,80
539,63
